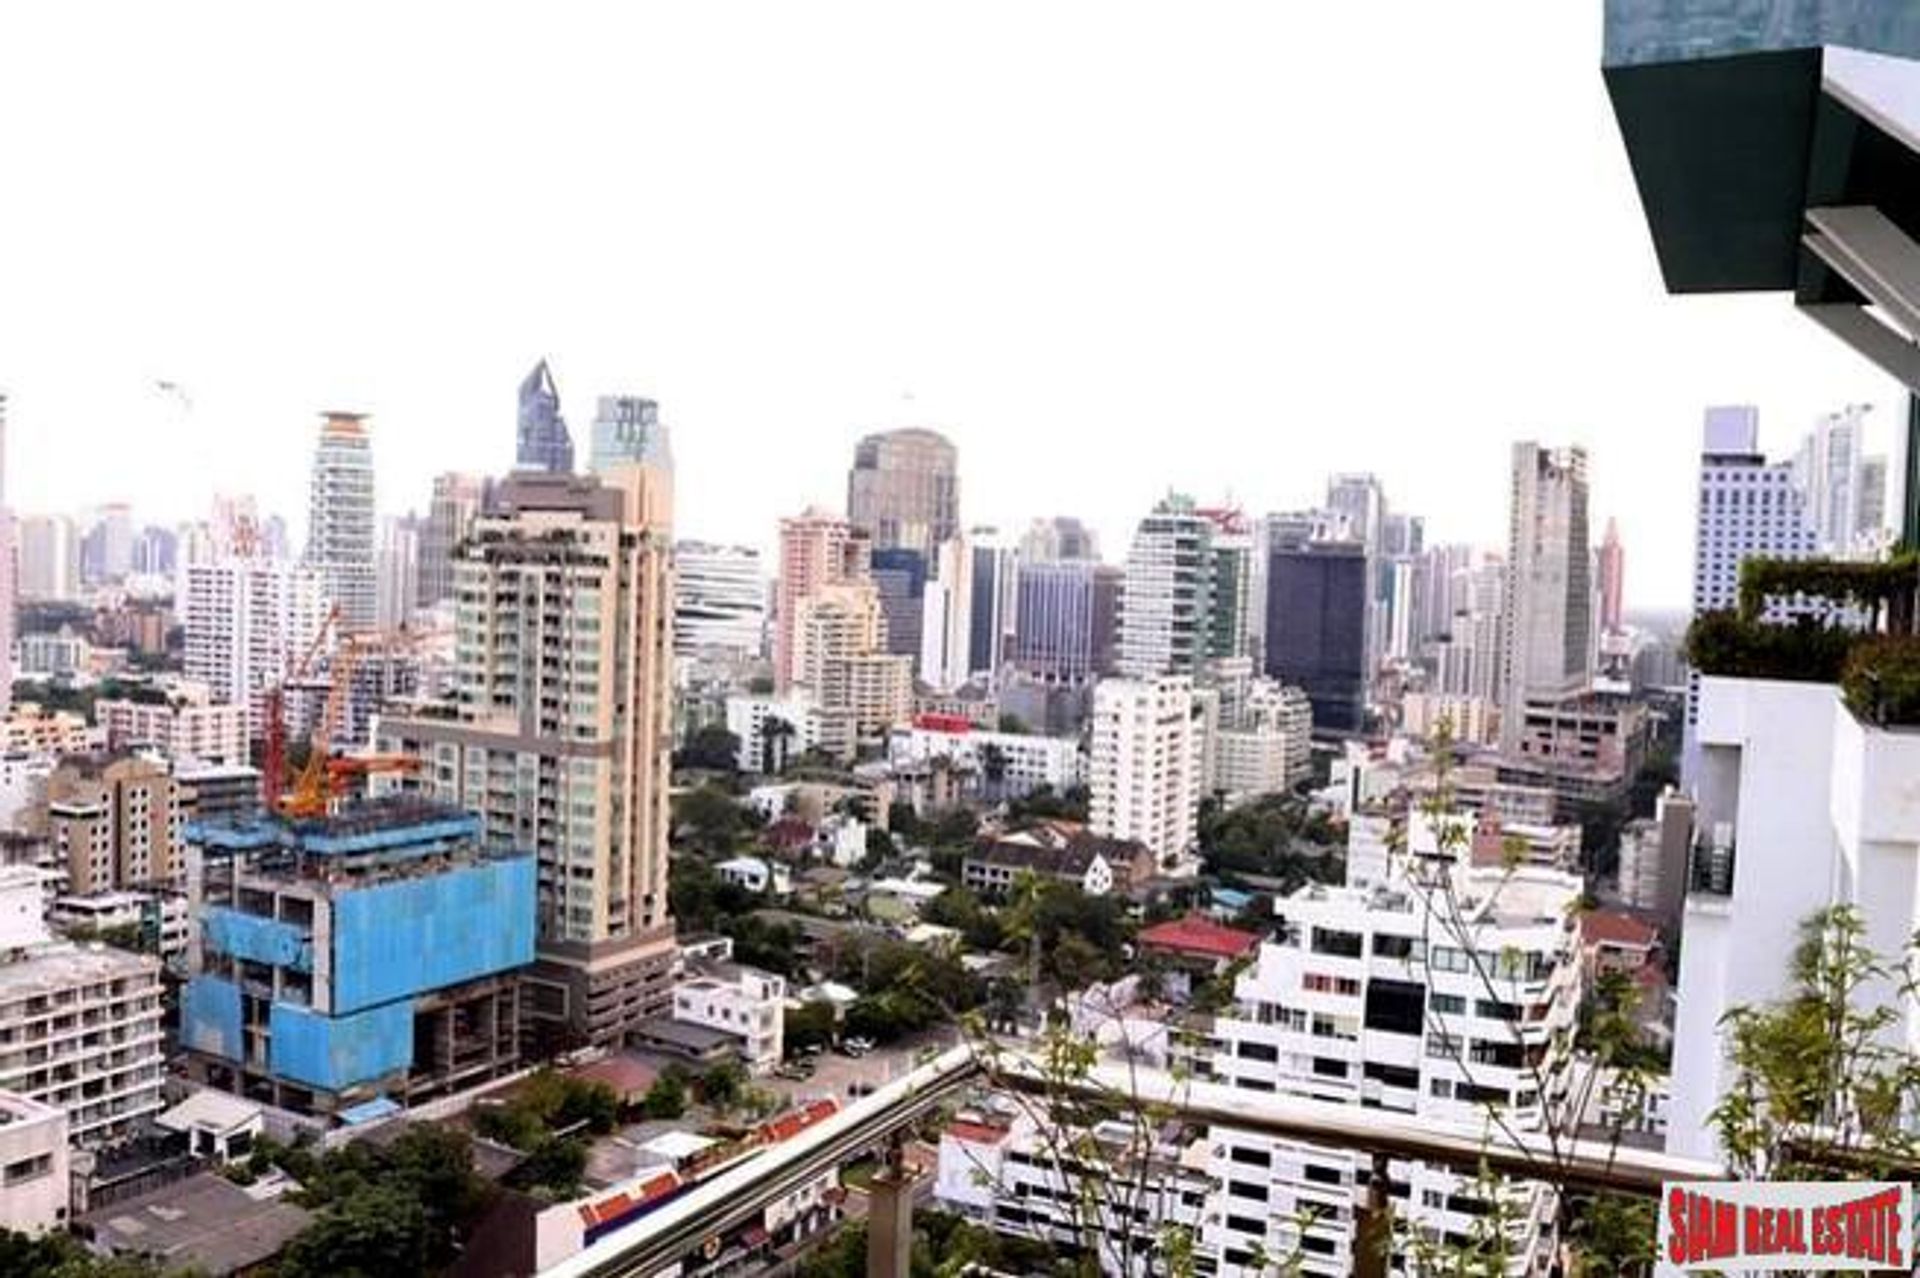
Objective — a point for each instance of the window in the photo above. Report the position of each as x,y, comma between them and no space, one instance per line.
1449,1005
1494,1010
1324,1067
1445,958
1256,1051
1318,983
1397,1007
1250,1157
1247,1225
1242,1189
1444,1047
1393,1075
1337,943
1324,1175
1400,947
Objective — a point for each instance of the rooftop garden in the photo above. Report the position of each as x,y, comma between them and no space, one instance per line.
1867,644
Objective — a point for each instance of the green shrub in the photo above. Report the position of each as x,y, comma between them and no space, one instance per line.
1803,650
1882,680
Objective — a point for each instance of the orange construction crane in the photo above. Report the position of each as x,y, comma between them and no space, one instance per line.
325,778
273,759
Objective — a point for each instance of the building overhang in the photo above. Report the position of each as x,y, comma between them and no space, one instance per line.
1776,148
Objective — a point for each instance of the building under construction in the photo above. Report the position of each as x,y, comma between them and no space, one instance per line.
346,963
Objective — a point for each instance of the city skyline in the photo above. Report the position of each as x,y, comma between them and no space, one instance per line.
1208,358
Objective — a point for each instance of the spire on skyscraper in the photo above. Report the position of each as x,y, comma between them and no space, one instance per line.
544,443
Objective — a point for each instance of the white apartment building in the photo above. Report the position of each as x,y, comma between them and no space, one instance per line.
1746,508
49,552
719,599
1166,606
1145,768
743,1002
248,621
340,518
1260,739
946,617
1025,762
33,1165
1800,807
748,718
1381,995
80,1030
189,726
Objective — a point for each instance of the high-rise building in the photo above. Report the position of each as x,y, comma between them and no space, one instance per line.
817,549
719,599
1316,628
1827,469
340,526
397,571
1613,576
840,659
1230,597
1547,623
946,618
1065,620
1144,768
106,552
1873,501
188,725
1362,500
904,490
1166,607
627,429
995,612
247,622
457,501
1745,508
154,552
557,737
544,443
1060,539
900,575
117,825
49,558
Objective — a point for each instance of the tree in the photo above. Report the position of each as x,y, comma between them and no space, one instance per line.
711,747
60,1256
809,1025
375,1231
1014,725
711,821
776,738
553,1168
720,1085
667,1098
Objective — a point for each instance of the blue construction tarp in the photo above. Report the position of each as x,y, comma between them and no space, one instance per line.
261,940
336,1052
210,1017
397,940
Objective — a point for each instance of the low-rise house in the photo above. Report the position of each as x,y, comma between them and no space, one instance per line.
900,900
217,1126
1059,854
742,1002
756,874
1195,949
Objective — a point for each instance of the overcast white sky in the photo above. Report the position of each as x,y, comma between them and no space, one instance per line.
1108,247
